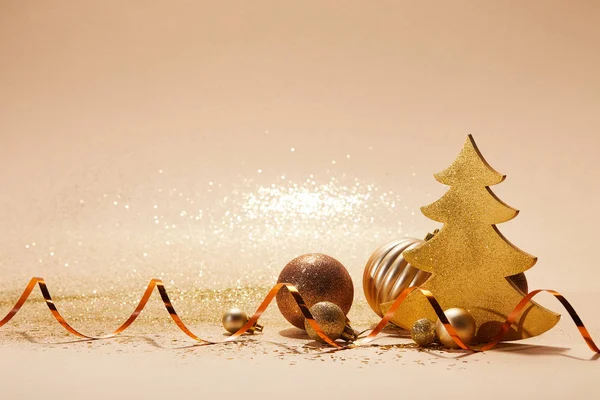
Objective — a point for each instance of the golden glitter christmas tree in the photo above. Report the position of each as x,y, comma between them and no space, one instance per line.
469,258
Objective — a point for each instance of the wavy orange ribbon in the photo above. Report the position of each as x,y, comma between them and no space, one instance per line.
157,283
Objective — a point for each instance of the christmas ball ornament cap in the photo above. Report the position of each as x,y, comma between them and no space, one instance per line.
318,277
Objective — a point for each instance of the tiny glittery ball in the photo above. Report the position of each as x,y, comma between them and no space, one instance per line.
318,277
423,332
330,318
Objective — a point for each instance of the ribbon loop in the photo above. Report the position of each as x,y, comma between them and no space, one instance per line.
158,284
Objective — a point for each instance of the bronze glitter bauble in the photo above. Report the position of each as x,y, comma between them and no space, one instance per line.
318,277
462,321
423,332
332,321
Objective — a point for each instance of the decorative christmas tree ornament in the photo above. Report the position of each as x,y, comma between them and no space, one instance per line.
423,332
469,259
332,321
318,277
462,321
387,273
234,319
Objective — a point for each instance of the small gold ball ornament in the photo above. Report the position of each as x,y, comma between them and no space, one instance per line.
234,319
423,332
332,321
463,323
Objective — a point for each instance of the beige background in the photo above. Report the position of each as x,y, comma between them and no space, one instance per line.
146,103
98,96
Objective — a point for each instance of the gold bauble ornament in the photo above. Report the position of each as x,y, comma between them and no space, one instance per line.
318,277
469,259
332,321
234,319
462,321
387,273
423,332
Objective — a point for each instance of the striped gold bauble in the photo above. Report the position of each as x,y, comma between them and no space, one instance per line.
387,273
